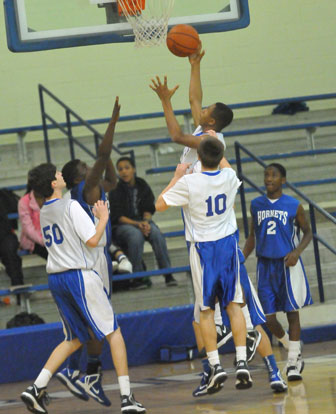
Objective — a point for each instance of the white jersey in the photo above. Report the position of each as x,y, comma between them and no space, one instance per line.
207,199
189,155
66,228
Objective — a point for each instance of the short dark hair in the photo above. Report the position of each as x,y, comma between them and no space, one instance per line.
129,159
210,151
41,177
70,173
279,167
222,115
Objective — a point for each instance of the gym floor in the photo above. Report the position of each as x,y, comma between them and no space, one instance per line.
167,388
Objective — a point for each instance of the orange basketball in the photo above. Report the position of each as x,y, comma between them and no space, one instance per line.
183,40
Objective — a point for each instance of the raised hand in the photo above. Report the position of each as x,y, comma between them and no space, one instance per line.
116,110
162,90
196,58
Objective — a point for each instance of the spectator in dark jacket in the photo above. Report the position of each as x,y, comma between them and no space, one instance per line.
132,208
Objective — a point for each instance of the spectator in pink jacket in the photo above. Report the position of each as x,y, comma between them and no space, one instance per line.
29,214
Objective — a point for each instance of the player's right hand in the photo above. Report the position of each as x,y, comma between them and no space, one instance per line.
162,90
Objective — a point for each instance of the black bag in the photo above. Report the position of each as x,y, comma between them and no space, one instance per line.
9,202
24,319
290,108
175,353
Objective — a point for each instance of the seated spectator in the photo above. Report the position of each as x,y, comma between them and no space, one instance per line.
132,207
29,214
9,245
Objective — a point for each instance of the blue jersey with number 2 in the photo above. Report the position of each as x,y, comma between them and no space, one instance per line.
274,227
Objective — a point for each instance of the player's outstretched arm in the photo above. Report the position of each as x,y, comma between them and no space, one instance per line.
100,211
92,182
195,85
165,94
292,257
250,242
180,171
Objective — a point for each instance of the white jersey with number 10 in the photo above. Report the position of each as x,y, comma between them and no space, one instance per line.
207,199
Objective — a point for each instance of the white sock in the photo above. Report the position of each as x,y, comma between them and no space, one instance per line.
285,341
124,385
293,352
43,378
247,317
213,358
121,257
218,316
241,353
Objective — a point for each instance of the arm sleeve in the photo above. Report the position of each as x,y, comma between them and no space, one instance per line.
235,182
27,224
178,195
81,222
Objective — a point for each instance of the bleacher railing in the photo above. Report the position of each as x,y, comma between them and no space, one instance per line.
312,208
66,128
68,125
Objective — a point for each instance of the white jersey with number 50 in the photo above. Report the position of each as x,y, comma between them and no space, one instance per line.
66,228
189,155
207,199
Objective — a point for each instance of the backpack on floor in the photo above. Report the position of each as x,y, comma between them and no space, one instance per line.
24,319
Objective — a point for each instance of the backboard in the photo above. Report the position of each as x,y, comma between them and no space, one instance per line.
34,25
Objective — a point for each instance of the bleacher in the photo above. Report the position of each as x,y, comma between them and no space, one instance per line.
266,135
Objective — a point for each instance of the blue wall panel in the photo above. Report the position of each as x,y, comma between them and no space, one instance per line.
25,350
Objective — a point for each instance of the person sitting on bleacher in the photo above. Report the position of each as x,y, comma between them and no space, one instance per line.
29,214
131,210
8,249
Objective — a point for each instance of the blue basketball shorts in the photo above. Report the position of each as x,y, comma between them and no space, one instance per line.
83,304
251,299
215,273
282,288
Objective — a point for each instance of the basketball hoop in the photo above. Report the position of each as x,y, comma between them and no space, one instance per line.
148,18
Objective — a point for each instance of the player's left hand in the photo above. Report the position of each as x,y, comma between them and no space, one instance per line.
100,210
116,111
181,170
292,258
162,89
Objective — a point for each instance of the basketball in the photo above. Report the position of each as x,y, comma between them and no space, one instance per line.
183,40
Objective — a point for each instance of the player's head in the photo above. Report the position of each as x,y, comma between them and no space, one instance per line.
210,152
74,172
274,177
126,170
45,178
216,116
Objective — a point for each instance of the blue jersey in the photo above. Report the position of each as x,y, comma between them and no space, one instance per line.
77,194
274,227
103,265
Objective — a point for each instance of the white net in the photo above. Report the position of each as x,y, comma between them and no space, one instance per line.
149,20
